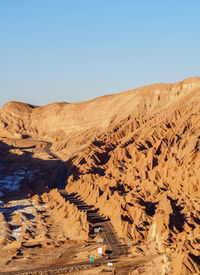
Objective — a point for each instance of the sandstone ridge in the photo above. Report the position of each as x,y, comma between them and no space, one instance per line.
135,156
66,124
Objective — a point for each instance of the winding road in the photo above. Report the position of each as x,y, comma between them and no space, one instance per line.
107,232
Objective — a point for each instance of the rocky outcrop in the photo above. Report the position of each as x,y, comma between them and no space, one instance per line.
135,156
68,216
143,173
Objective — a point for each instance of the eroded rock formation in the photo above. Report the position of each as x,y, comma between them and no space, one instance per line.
135,156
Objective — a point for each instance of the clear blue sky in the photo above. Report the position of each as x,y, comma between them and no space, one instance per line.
74,50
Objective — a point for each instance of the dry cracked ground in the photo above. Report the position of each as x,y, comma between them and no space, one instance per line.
134,156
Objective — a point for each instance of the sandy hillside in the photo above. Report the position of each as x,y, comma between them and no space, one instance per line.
135,156
71,127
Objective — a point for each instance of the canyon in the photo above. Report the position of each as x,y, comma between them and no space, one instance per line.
133,156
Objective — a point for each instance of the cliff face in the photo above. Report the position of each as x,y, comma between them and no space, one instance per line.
135,156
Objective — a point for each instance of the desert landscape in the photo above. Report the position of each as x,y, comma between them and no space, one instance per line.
118,172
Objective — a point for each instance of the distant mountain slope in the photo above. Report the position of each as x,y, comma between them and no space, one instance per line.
72,126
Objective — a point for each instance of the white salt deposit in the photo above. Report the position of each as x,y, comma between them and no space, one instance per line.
40,208
26,207
17,232
21,202
10,183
